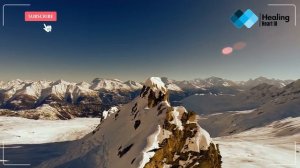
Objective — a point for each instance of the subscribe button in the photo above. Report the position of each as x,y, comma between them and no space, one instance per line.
44,16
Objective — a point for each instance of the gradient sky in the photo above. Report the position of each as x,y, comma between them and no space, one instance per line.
180,39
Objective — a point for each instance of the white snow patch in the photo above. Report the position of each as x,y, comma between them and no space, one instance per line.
261,147
173,87
242,112
199,94
201,141
177,114
156,84
16,102
152,143
109,112
15,130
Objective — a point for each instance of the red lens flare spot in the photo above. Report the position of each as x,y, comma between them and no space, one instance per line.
227,50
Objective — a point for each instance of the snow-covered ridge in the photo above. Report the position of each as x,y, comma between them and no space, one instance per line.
114,84
260,80
146,132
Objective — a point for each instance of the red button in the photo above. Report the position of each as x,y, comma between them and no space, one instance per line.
44,16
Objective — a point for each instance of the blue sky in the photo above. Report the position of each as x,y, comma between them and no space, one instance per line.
180,39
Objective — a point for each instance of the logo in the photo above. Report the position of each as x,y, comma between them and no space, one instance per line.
247,18
47,28
273,20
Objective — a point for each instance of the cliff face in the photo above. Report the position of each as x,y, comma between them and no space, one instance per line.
188,144
186,147
148,133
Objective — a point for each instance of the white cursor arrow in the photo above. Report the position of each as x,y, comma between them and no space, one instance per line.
47,28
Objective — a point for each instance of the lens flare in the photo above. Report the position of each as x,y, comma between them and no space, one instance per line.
227,50
239,45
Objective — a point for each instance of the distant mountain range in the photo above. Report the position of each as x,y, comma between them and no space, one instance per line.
84,99
254,82
255,107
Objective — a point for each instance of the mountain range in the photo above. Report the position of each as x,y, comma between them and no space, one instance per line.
68,99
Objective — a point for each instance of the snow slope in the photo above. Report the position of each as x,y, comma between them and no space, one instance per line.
275,145
228,123
16,130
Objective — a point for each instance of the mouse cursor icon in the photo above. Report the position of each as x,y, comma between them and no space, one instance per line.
47,28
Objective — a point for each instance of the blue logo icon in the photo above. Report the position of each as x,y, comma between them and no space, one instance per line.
247,18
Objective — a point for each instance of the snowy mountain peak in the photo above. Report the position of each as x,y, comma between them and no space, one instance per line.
171,84
16,81
133,85
295,84
61,81
156,84
144,133
293,88
97,80
254,82
108,84
153,92
83,84
2,84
